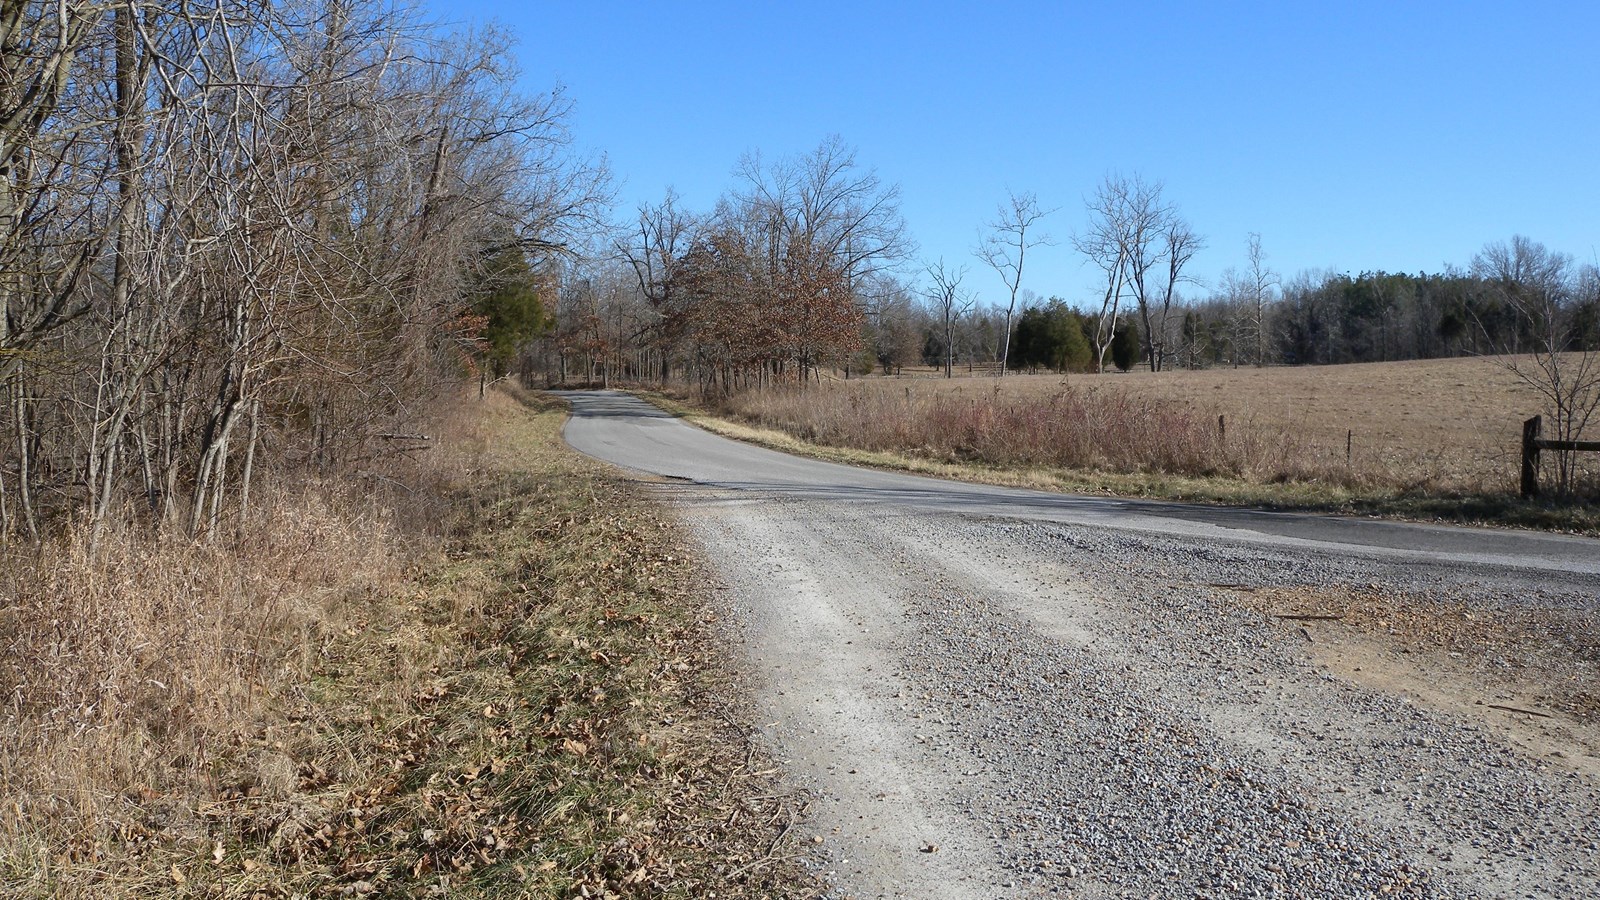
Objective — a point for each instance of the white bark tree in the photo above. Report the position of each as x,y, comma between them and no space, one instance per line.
1101,244
1179,245
1005,248
1261,282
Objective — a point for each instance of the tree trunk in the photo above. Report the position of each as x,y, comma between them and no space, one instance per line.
249,464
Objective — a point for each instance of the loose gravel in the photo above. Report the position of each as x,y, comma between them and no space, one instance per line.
990,707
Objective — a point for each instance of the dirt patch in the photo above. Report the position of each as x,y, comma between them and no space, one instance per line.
1528,676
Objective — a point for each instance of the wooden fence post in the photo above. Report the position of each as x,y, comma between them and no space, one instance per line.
1530,456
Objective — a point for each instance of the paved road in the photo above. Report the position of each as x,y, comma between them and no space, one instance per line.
631,433
989,692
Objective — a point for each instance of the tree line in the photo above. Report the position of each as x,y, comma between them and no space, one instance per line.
776,282
806,265
1503,303
243,235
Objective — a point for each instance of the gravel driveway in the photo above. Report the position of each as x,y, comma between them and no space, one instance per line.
994,701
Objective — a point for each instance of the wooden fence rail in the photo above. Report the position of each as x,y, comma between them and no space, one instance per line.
1532,443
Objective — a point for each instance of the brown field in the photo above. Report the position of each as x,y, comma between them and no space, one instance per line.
1418,428
1456,421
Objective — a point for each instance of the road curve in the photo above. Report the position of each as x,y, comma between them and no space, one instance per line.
989,692
628,432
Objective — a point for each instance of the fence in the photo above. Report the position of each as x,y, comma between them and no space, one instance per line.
1532,444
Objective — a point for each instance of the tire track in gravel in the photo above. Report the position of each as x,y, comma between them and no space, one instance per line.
1066,712
820,625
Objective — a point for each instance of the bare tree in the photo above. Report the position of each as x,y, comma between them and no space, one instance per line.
825,200
892,318
1143,216
52,174
655,251
242,231
1005,249
1262,281
1545,290
818,225
949,303
1233,300
1100,242
1179,245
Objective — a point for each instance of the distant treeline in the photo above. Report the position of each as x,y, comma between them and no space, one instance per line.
1317,319
766,288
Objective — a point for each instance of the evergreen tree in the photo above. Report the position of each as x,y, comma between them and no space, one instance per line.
1125,345
1072,342
1050,337
507,297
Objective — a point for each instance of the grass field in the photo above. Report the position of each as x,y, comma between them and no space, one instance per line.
1424,439
1452,422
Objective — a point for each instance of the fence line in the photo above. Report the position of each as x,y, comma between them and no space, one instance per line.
1532,444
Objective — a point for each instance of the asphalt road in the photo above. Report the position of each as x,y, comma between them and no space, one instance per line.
631,433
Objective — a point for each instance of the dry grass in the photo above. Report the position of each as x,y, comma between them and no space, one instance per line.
133,674
1434,439
1003,424
1451,423
492,683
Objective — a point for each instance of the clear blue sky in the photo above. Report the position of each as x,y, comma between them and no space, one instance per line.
1396,136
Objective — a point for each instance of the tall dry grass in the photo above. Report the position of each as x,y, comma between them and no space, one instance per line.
1442,428
129,672
1066,428
489,681
141,681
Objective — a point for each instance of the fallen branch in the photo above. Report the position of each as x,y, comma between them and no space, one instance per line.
771,855
1518,709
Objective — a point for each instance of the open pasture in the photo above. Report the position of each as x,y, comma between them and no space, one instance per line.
1451,422
1431,426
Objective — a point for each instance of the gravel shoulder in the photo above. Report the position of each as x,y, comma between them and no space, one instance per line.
986,705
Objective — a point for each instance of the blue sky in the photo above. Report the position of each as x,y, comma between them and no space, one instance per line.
1396,136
